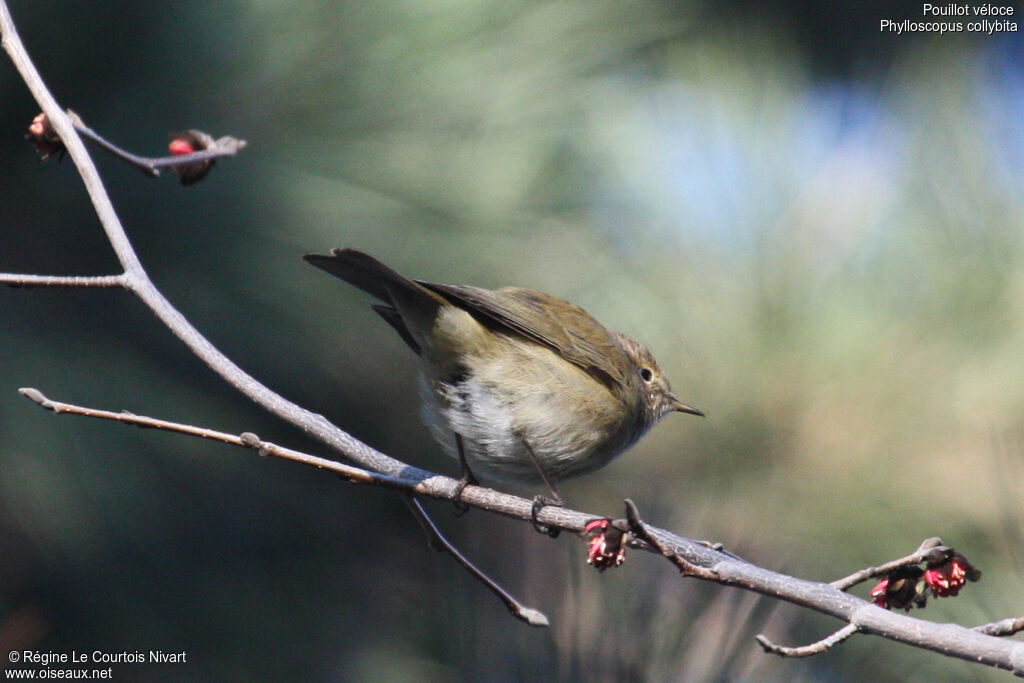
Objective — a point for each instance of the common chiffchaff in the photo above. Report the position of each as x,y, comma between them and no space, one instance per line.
532,386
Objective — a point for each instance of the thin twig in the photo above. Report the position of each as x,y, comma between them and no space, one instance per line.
245,439
436,486
926,549
1004,627
441,544
151,165
26,280
138,162
640,530
817,648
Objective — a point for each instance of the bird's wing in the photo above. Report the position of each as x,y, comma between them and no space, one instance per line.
574,334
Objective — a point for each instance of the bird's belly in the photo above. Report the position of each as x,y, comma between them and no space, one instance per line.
564,438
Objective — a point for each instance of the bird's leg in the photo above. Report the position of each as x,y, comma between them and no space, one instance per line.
539,501
467,478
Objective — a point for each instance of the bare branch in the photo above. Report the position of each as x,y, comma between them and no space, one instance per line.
246,439
823,645
640,530
923,552
441,544
224,147
138,162
1004,627
27,280
433,486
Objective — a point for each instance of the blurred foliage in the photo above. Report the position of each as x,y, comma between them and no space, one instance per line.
814,225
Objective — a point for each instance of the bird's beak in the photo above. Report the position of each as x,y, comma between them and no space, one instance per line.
681,407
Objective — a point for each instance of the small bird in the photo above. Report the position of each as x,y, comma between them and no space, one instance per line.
522,386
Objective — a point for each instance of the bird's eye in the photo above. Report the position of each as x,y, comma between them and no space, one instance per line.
646,374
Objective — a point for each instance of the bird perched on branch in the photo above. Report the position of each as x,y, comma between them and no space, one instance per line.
521,386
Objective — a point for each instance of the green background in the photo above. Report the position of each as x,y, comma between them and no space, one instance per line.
816,227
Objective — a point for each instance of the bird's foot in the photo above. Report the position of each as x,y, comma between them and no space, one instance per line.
539,503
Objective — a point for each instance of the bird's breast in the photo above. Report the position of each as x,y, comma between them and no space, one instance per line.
517,391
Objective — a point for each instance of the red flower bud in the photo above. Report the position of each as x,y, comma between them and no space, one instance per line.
189,142
948,578
900,589
43,137
606,545
878,594
179,146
